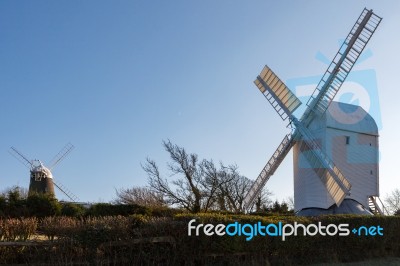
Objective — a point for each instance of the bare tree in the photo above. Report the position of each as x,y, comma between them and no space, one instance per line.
199,185
263,200
213,180
233,191
289,202
392,201
187,191
139,195
221,183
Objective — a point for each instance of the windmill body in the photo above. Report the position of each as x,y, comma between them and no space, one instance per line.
348,135
41,179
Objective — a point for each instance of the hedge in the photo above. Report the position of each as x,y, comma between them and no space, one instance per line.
144,239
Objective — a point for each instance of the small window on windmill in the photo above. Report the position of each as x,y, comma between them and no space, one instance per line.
37,177
347,140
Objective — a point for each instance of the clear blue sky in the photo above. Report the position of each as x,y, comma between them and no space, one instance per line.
115,78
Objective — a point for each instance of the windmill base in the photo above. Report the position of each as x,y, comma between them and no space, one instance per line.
348,206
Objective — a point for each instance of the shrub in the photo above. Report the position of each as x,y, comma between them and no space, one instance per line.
58,226
72,210
107,209
18,229
3,205
16,203
142,239
42,205
164,211
94,231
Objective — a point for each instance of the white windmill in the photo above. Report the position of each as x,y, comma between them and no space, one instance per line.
326,138
41,178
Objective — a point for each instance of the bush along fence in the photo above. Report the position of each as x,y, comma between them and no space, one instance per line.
147,239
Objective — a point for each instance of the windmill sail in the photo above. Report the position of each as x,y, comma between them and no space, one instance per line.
284,103
66,191
277,93
342,64
268,170
20,157
61,155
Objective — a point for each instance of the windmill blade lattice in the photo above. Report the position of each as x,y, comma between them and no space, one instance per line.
20,157
268,170
61,155
341,65
277,93
66,191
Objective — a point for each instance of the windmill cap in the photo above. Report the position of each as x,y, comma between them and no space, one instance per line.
350,117
37,166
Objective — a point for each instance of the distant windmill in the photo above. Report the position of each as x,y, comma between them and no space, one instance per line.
41,178
324,175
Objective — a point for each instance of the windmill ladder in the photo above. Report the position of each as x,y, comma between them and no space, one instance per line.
375,204
268,170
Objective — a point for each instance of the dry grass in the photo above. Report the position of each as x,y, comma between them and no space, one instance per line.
17,229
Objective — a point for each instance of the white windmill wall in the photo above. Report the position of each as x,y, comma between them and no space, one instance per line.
356,157
309,191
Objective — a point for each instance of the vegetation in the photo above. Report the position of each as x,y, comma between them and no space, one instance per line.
393,202
143,239
149,225
193,184
140,196
72,209
42,205
15,202
17,229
